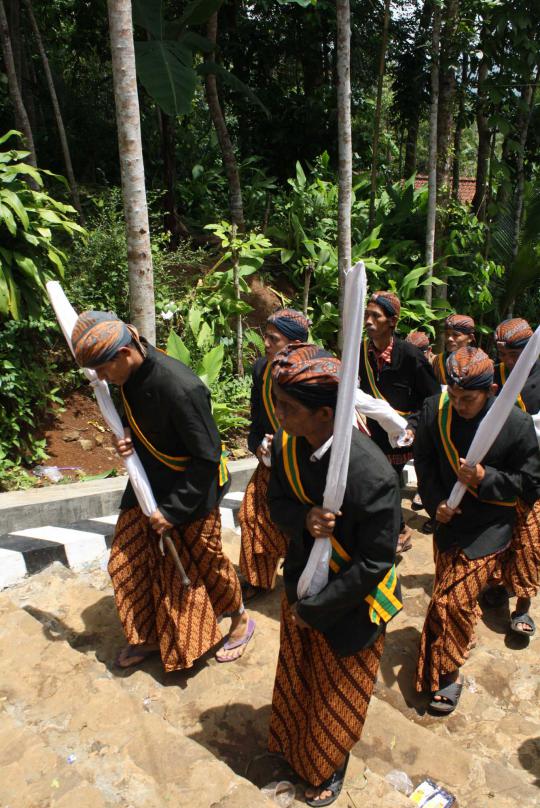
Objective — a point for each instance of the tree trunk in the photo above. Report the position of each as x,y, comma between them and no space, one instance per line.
527,97
447,91
308,274
460,124
412,121
141,281
343,59
173,222
21,116
409,166
378,107
484,135
57,113
227,151
237,295
432,170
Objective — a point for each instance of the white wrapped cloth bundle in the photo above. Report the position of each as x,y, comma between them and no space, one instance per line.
315,575
67,316
381,411
493,422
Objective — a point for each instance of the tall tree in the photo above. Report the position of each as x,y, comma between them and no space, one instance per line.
432,169
225,143
344,145
22,121
484,130
141,280
378,108
57,112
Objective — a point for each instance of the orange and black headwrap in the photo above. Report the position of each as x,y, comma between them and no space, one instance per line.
98,335
308,374
460,322
418,338
469,368
388,301
291,323
513,333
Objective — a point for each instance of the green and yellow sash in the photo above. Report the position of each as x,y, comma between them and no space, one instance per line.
375,392
452,454
383,602
267,396
502,371
179,463
442,368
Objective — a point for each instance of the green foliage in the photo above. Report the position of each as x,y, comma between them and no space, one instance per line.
31,225
27,393
206,359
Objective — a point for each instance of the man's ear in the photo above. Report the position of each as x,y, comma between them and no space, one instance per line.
494,389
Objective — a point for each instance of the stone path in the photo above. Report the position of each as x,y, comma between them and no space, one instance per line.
199,737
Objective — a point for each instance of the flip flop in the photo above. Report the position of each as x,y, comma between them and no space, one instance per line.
428,527
134,652
451,693
416,503
333,784
494,597
516,619
230,646
406,543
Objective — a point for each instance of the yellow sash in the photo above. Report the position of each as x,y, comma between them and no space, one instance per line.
502,371
267,396
442,368
179,463
376,393
382,600
452,454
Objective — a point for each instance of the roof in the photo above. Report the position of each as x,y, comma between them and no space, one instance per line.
467,187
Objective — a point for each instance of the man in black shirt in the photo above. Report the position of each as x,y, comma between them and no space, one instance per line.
331,642
469,541
171,427
395,370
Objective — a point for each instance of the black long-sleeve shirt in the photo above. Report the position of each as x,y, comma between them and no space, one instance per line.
368,532
260,422
512,468
530,394
405,383
171,407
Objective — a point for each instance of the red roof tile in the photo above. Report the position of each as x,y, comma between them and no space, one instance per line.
467,187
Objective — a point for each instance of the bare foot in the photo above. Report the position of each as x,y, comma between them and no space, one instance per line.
133,655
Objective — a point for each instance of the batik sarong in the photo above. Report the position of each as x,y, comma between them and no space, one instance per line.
452,614
320,700
521,562
152,603
263,544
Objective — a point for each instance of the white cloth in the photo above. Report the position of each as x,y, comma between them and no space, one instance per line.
315,575
322,450
496,416
67,316
394,424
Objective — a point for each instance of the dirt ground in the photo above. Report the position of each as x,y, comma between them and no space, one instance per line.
80,444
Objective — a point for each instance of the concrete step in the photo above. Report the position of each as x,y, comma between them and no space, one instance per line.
86,542
489,746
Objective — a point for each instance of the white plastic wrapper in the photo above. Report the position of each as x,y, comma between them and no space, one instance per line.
67,316
266,458
394,424
491,425
315,575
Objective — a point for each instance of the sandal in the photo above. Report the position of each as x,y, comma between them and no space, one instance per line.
134,655
416,503
494,597
516,619
404,541
428,527
230,645
451,693
334,784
